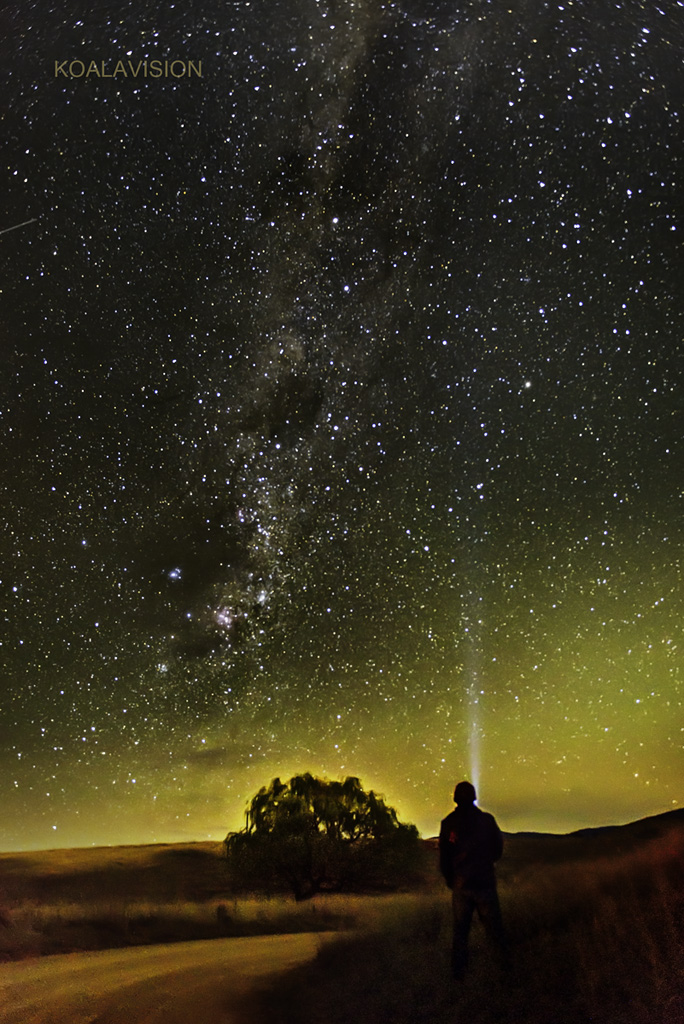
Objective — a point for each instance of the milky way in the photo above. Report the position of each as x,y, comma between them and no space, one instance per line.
341,411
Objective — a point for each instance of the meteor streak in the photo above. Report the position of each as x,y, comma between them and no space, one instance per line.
15,226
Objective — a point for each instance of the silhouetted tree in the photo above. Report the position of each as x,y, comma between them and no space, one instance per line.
310,834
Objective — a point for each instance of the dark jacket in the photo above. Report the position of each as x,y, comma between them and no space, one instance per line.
469,844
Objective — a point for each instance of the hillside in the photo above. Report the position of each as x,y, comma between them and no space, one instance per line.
158,873
595,922
529,850
196,872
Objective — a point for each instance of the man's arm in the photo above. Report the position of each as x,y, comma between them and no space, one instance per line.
446,864
496,839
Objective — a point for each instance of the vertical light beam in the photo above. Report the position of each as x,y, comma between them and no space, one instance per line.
473,711
472,654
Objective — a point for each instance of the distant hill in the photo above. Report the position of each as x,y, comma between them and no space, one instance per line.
527,849
643,828
524,850
159,872
164,872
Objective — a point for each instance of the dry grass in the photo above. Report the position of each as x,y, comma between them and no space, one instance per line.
60,901
160,873
598,940
57,901
596,925
39,931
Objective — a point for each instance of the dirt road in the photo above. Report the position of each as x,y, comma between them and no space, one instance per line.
185,983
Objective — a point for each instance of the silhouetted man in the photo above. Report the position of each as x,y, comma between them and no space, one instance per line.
469,844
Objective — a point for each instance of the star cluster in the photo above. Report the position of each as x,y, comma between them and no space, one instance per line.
341,412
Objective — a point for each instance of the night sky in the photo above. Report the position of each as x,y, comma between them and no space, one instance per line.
342,411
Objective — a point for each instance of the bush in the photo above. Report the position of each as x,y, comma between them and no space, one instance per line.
310,834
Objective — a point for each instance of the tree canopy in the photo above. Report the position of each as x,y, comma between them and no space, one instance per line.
311,834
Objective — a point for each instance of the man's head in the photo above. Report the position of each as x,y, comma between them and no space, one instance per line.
464,794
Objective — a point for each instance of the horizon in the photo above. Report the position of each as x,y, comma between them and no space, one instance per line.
218,837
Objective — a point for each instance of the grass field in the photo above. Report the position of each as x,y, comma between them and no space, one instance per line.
60,901
597,936
596,922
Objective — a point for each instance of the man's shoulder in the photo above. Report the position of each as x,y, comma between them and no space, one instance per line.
455,818
448,821
489,818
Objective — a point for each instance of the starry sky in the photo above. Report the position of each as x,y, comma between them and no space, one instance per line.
342,416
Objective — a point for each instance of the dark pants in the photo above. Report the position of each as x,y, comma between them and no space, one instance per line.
464,902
